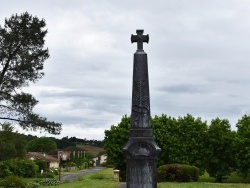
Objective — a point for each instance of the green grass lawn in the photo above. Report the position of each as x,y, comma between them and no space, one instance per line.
101,179
233,178
234,181
104,179
202,185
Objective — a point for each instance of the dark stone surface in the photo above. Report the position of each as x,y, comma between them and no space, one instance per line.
141,151
139,38
140,94
123,185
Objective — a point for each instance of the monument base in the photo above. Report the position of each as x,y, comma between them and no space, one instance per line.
123,185
141,154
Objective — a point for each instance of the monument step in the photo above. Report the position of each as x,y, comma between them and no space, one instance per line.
123,185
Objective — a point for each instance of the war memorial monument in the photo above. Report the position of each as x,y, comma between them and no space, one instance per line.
141,151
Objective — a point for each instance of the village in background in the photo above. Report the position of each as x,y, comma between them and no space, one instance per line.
52,153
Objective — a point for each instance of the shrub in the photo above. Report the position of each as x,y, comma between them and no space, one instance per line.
104,164
56,172
72,164
5,169
42,165
26,168
14,182
33,185
49,182
178,172
46,175
85,165
1,182
16,167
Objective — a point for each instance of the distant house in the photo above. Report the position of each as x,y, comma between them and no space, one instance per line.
59,153
77,152
51,161
65,153
99,160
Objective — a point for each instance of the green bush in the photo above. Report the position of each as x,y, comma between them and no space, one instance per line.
56,172
46,175
42,165
72,164
16,167
85,165
26,168
5,169
49,182
110,166
14,182
178,172
1,182
33,185
104,164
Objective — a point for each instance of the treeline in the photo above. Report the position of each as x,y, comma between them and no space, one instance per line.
213,147
15,145
72,141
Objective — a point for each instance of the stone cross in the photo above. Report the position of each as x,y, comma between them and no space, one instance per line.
139,38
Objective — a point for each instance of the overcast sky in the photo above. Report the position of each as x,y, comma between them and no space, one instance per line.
198,56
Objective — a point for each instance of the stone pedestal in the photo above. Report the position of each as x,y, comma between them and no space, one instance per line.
141,155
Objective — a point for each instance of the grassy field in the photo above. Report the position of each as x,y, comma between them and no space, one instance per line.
234,178
104,179
234,181
101,179
202,185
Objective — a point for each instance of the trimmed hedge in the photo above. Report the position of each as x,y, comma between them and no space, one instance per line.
178,173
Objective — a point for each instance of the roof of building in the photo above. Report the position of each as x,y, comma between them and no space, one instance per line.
54,152
40,156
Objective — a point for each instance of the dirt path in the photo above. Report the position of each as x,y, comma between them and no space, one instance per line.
73,176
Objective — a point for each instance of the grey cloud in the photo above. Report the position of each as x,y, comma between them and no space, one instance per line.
184,88
198,58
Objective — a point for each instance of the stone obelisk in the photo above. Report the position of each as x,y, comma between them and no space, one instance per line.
141,151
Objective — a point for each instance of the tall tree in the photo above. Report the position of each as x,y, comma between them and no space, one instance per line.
165,128
114,141
42,144
12,144
243,145
192,136
220,158
22,55
181,140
